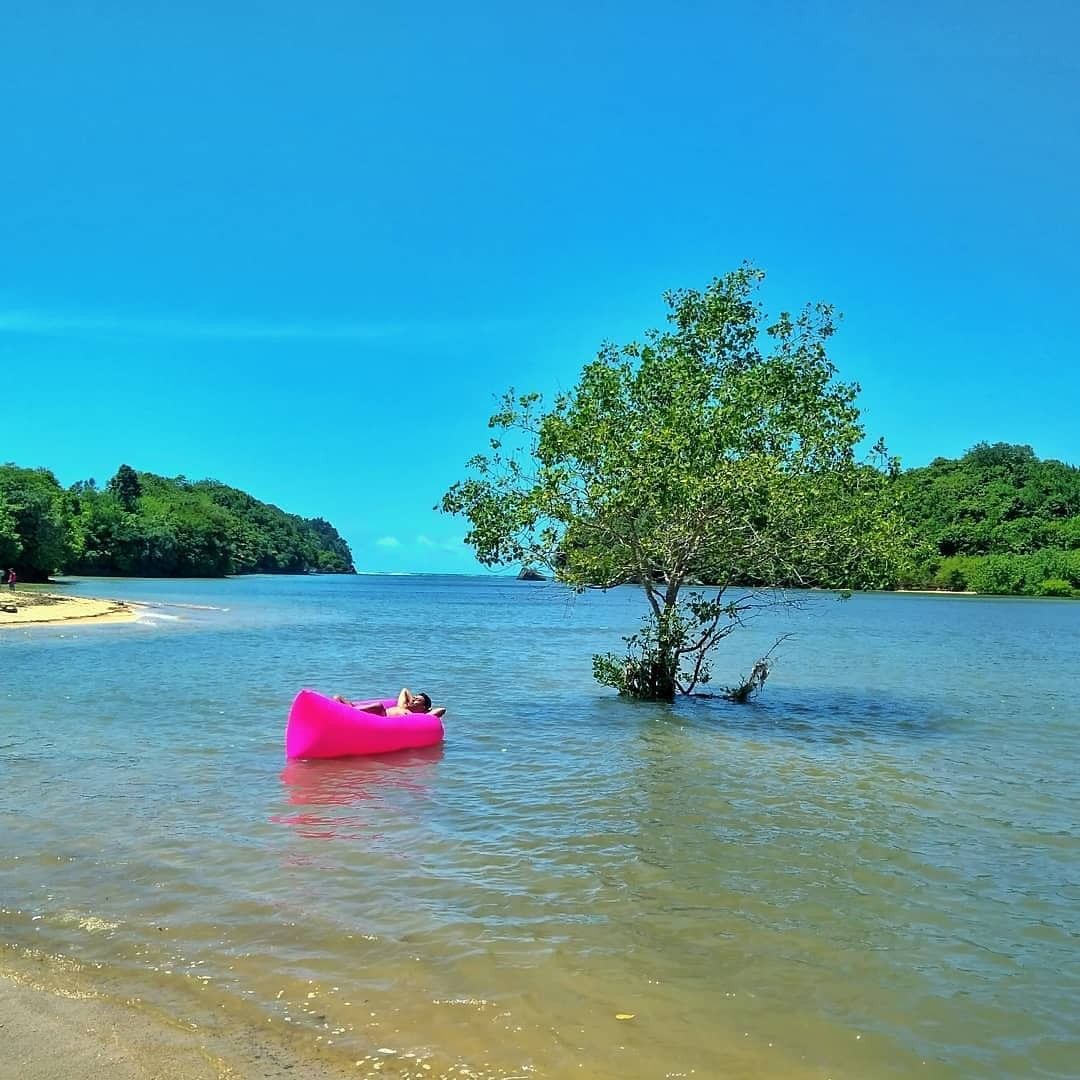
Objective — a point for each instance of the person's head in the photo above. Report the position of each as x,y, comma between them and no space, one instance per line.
418,703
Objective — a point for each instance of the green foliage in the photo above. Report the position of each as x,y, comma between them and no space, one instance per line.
34,528
996,574
1054,587
10,541
645,671
953,574
997,520
148,525
1006,574
721,450
206,529
651,665
995,500
126,487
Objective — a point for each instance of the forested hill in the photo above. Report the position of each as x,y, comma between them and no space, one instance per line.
142,524
997,520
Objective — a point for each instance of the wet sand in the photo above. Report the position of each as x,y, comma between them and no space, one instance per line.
34,608
49,1037
52,1035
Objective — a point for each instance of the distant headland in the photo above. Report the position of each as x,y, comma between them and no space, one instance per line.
143,525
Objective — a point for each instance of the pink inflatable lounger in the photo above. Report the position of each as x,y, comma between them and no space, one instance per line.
320,727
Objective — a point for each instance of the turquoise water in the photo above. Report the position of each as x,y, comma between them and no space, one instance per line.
872,871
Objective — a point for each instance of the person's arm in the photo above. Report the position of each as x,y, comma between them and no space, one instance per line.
403,697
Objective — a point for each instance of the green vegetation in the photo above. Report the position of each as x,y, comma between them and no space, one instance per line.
142,524
997,520
35,526
722,450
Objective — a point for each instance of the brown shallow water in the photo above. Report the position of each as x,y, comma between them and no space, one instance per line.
872,872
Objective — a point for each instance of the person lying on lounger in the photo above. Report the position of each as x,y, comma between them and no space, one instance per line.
407,702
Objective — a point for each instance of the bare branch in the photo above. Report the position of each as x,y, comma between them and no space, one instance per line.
754,682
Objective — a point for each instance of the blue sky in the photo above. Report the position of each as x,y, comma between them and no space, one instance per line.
302,248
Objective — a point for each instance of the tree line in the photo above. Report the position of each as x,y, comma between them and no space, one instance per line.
141,524
997,520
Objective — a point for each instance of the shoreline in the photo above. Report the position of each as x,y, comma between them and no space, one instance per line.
953,592
49,609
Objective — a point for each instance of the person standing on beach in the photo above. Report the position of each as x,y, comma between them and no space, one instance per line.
11,579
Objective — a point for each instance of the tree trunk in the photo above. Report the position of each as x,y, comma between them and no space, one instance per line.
664,670
665,684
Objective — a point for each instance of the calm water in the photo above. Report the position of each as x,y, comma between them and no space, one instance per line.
872,872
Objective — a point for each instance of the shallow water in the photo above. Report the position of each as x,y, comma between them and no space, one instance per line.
872,871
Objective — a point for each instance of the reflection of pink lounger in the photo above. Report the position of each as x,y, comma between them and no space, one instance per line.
320,727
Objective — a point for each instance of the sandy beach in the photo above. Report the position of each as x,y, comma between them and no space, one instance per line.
35,608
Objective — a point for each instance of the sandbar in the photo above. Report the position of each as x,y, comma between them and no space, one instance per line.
34,608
